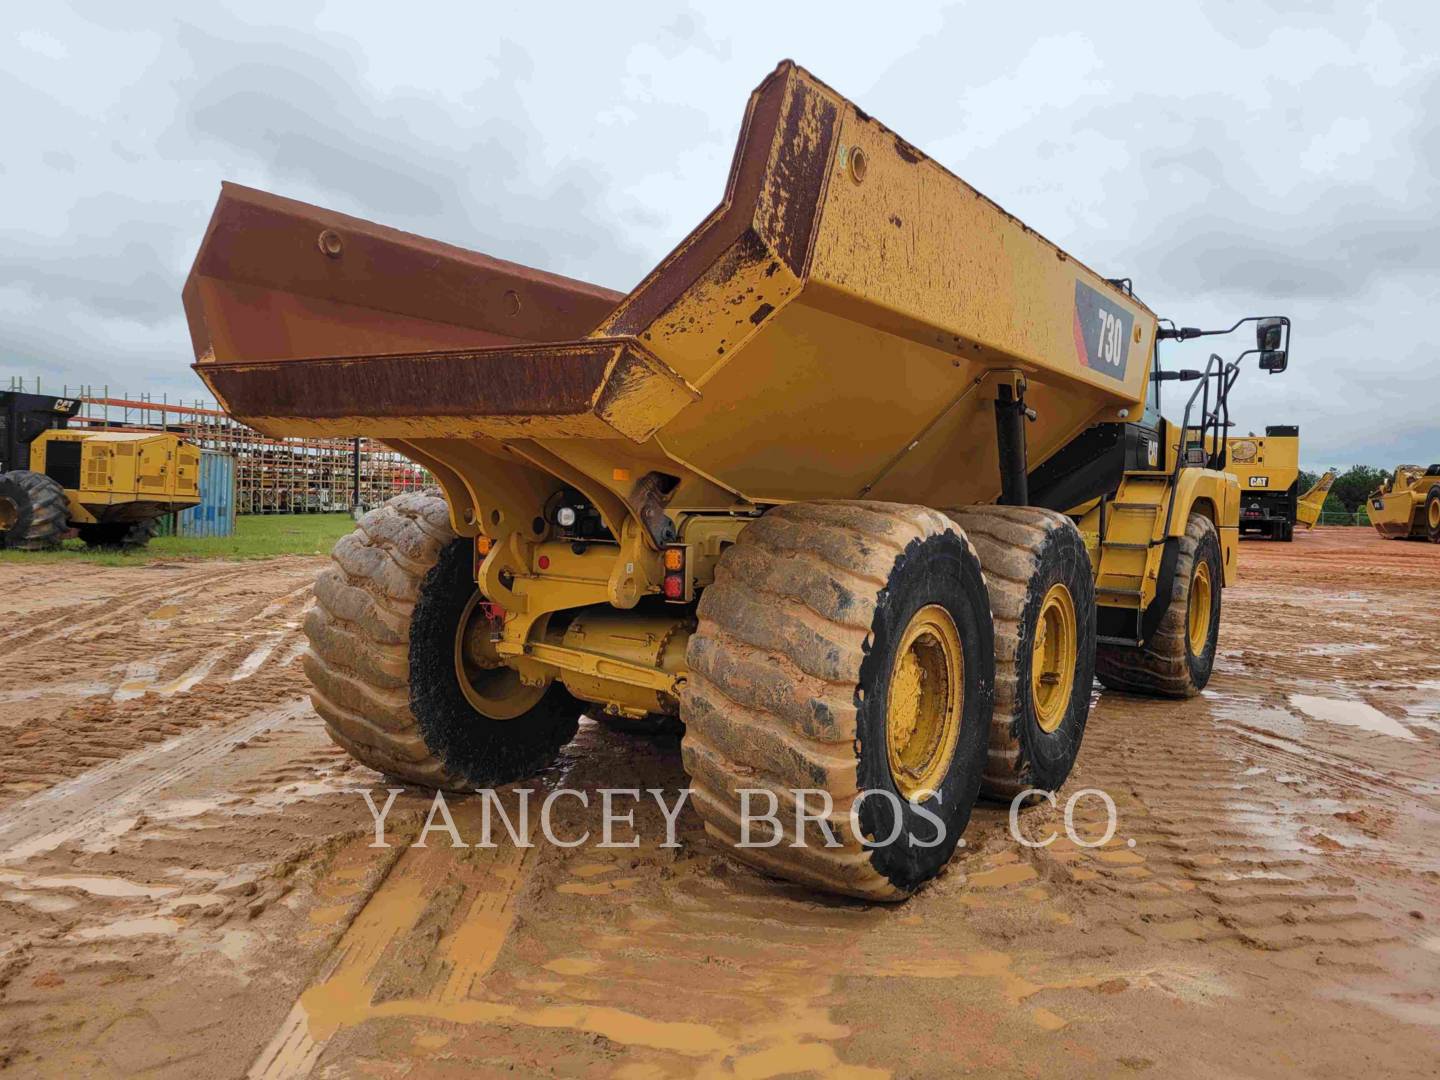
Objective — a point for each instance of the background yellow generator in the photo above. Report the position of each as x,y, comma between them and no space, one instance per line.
109,487
1268,469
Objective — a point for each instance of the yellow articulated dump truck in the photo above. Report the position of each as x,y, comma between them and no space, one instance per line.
864,482
109,487
1407,505
1268,470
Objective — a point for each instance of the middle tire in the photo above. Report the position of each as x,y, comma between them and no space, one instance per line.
845,651
1043,595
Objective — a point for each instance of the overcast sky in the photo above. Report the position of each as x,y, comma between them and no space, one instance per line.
1232,158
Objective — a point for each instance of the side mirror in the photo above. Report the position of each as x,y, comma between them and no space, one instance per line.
1269,337
1273,361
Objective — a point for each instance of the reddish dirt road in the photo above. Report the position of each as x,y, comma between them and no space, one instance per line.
186,886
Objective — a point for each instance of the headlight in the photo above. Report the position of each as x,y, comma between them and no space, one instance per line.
565,516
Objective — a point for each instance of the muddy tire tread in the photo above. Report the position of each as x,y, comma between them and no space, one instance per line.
49,517
358,630
1007,539
774,664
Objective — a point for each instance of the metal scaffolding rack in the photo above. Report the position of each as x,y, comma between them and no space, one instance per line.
272,476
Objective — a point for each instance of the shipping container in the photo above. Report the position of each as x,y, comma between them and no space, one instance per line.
215,515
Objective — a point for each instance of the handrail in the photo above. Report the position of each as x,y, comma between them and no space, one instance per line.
1214,422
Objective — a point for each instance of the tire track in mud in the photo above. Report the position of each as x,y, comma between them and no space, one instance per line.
431,929
81,805
75,619
1222,850
174,655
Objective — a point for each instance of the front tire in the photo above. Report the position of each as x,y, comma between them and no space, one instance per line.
845,651
1043,595
388,652
34,512
1432,515
1179,657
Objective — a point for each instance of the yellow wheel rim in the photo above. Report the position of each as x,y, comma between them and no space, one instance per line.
1433,513
493,689
927,695
1052,657
9,514
1199,613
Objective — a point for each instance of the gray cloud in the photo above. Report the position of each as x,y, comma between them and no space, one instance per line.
1231,158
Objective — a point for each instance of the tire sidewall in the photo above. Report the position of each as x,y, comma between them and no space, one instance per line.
1207,549
939,569
12,489
1049,755
1434,497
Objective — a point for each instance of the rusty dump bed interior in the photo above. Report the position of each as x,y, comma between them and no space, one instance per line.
835,328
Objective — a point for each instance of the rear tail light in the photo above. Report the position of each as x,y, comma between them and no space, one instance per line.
482,548
674,584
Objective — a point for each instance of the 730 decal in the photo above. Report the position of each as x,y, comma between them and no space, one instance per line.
1102,332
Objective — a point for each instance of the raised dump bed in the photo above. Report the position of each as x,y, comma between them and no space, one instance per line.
828,331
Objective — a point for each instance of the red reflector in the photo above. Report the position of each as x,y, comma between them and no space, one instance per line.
543,562
674,587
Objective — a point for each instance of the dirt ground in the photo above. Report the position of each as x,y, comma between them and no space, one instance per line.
186,886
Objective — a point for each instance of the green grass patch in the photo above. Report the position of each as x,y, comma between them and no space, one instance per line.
257,536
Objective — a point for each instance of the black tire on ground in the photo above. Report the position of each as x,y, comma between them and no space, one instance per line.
1167,665
1026,552
126,535
1432,515
790,682
34,513
382,658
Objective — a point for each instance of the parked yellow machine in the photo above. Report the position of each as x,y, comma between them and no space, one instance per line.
110,487
1407,505
1309,506
1268,469
863,482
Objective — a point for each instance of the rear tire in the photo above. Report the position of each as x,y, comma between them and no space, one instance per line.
383,664
1179,657
34,512
1038,723
1432,515
845,648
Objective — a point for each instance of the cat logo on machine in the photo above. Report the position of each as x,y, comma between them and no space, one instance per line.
1260,481
1102,332
1152,452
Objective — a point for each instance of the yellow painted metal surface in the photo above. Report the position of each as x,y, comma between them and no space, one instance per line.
1053,657
118,468
1127,557
834,329
1398,508
1309,505
1264,462
927,699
